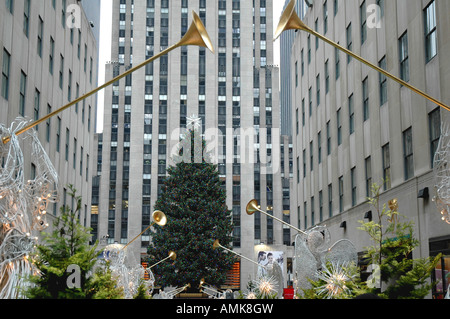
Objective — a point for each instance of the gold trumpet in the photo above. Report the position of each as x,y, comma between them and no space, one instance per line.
196,35
159,218
217,244
172,255
176,291
290,21
252,207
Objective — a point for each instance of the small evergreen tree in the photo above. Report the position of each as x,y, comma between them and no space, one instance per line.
65,246
401,276
195,205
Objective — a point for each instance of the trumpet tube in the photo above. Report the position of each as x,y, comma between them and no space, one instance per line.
290,21
172,255
252,207
176,291
217,244
196,35
158,217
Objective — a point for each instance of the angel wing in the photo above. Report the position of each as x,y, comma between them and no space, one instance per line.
305,264
343,251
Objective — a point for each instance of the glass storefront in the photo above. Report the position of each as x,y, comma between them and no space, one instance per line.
441,272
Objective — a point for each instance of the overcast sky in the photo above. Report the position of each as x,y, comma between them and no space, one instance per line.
105,47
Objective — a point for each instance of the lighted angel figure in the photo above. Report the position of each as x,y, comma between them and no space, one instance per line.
23,205
441,173
127,277
313,252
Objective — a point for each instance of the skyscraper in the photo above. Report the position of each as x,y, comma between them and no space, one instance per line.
49,58
355,126
235,94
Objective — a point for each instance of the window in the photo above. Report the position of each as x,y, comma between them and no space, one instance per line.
363,18
303,112
430,31
51,55
351,112
61,72
339,127
327,78
336,7
325,17
349,41
311,155
26,17
23,90
353,184
318,89
316,27
5,74
403,55
434,120
10,5
296,74
337,63
319,146
296,121
304,163
298,170
37,102
40,36
48,124
302,60
67,144
408,153
58,135
74,153
383,82
320,206
328,139
368,170
309,49
386,166
341,194
365,93
330,200
69,87
312,211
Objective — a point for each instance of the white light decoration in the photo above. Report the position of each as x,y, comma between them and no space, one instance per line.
312,252
441,170
336,279
23,205
129,278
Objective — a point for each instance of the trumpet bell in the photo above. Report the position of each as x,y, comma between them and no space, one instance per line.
289,20
159,217
252,207
216,244
173,255
196,34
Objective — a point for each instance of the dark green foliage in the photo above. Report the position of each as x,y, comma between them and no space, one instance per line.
195,205
65,246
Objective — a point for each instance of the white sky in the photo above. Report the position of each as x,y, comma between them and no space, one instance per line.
105,47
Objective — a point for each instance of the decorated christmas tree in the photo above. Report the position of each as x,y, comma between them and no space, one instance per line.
195,205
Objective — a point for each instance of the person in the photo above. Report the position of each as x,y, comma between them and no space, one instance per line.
261,269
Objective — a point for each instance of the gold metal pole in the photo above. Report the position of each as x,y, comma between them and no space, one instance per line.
217,244
172,255
196,35
117,78
290,21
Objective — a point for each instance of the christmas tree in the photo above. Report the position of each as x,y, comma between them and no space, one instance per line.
195,205
65,262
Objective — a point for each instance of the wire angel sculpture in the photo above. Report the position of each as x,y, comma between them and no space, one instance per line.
129,278
313,252
23,205
441,171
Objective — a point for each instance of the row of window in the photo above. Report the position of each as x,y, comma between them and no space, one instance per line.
434,119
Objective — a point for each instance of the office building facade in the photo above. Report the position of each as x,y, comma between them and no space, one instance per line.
49,58
352,126
233,91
